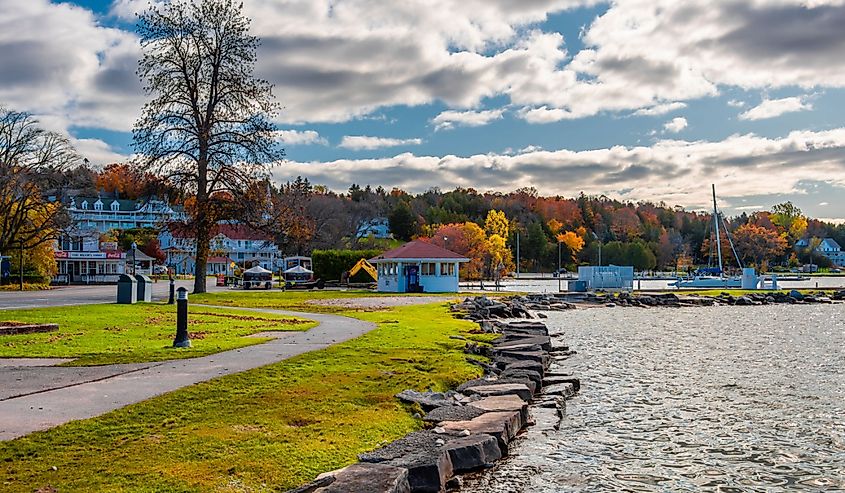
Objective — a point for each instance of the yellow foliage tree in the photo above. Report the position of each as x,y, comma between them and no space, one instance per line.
496,223
555,225
572,242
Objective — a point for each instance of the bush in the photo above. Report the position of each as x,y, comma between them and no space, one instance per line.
330,264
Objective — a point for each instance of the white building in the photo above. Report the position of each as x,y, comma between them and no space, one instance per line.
829,248
105,214
609,277
417,267
230,243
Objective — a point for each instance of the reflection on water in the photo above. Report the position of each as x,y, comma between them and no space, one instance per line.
693,399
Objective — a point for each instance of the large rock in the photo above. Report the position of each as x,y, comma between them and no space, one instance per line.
521,379
473,452
453,413
515,364
502,403
517,373
507,340
565,390
502,425
422,454
518,389
538,356
555,379
361,478
429,400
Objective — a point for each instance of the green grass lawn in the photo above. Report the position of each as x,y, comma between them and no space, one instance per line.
263,430
105,334
295,300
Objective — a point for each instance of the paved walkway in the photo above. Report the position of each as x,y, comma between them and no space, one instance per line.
85,295
39,398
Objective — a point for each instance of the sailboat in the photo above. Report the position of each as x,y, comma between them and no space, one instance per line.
714,278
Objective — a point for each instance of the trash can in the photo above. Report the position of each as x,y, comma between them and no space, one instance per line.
145,288
127,290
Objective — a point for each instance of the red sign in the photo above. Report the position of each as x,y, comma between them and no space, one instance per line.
112,255
60,254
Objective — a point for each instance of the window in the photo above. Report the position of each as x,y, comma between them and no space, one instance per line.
428,269
447,269
85,205
115,206
98,205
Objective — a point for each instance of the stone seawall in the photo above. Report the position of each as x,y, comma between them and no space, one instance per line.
471,428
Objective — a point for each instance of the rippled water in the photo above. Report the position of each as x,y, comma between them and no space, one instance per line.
693,399
550,285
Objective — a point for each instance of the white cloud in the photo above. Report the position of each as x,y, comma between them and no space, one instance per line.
450,119
362,142
735,103
660,109
545,114
771,108
675,125
97,152
300,137
669,170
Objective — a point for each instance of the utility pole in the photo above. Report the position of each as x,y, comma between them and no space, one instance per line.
558,268
517,254
20,264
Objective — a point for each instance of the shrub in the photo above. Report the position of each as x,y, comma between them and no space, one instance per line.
330,264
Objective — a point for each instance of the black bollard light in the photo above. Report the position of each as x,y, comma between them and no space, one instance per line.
172,297
182,319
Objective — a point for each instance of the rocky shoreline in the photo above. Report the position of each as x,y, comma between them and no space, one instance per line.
471,428
483,310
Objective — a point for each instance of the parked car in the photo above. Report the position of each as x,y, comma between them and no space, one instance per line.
159,269
560,272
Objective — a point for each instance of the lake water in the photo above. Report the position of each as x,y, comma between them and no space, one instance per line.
692,399
550,285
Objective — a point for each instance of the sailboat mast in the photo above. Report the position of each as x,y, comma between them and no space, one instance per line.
718,236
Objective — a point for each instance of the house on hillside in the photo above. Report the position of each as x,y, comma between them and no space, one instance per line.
229,243
828,248
418,267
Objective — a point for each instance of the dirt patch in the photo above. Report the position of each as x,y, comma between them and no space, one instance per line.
14,328
248,318
382,302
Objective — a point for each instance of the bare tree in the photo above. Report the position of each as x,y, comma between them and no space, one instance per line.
208,127
32,161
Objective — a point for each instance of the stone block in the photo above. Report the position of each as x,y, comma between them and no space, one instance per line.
473,452
555,379
502,425
516,373
503,403
453,413
422,454
565,390
518,389
361,478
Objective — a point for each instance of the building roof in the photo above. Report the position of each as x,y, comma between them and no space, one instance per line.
419,250
231,231
219,260
831,243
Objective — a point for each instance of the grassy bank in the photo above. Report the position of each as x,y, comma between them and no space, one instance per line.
292,300
267,429
105,334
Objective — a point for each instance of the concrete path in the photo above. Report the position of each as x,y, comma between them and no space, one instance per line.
36,399
85,295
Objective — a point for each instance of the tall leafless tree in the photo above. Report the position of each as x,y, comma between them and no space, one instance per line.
32,162
208,127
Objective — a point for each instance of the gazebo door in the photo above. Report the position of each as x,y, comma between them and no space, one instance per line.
412,274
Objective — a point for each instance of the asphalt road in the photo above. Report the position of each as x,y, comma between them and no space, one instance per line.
83,295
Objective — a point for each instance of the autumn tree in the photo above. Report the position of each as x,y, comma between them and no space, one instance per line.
496,223
32,161
759,244
402,222
208,127
573,243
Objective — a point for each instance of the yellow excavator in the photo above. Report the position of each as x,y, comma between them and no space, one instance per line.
366,266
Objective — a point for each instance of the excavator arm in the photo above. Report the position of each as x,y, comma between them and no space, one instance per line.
368,268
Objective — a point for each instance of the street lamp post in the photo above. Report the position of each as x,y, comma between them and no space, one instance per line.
20,264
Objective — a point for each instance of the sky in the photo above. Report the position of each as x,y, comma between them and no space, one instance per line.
635,99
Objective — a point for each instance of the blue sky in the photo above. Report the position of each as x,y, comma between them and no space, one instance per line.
643,100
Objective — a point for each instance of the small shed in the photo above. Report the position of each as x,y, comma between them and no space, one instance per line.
607,278
417,267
